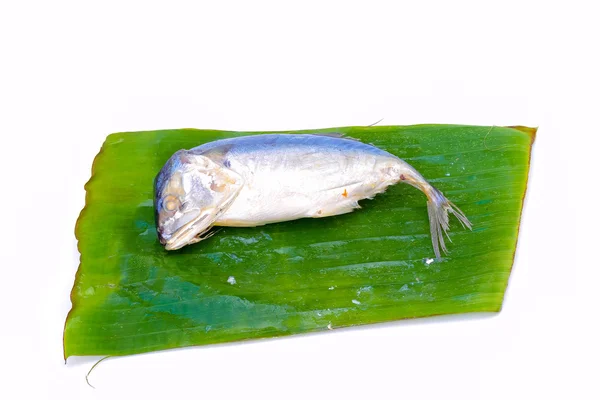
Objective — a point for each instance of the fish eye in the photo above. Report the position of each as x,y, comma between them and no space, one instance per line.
170,203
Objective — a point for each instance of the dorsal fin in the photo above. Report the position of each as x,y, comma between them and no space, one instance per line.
336,135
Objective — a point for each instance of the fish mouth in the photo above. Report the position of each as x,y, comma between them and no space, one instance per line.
188,232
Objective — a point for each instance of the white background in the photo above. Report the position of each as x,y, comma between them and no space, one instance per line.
73,72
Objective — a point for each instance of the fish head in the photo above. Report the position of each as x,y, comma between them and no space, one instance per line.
190,192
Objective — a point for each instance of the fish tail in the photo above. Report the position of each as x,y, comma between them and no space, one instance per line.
438,207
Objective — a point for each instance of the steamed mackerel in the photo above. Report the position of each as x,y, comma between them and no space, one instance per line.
256,180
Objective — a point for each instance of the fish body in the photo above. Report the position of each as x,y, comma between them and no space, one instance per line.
287,177
261,179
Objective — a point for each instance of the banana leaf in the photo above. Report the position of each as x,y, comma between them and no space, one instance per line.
370,266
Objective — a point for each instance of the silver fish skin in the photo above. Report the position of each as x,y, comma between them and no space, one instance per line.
256,180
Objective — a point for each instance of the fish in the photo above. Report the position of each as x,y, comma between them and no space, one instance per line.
255,180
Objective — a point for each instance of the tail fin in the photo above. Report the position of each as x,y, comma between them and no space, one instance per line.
438,207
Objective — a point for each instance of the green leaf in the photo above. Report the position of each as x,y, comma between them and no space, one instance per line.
372,265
